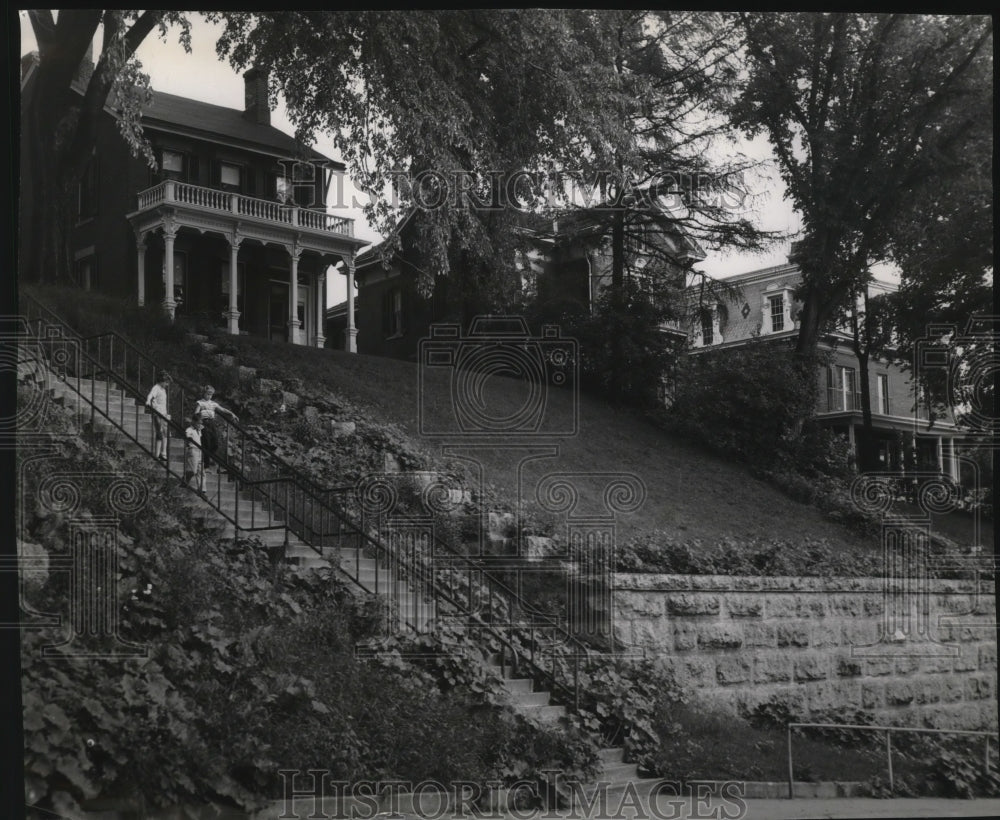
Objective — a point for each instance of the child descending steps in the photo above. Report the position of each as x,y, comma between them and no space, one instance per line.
193,466
157,402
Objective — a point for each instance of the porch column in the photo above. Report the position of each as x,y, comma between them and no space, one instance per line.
233,314
293,298
320,307
953,470
140,253
940,455
169,235
351,333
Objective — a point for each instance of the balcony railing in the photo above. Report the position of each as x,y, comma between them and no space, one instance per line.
210,199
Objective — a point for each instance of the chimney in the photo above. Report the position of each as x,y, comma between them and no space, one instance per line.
255,106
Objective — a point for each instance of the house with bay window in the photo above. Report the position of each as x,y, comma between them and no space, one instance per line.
766,308
233,226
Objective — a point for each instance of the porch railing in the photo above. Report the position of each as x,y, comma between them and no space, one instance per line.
211,199
464,586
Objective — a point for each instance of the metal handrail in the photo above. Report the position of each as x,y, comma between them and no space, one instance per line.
888,740
522,647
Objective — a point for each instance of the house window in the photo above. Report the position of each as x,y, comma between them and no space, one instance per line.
87,192
86,272
392,313
882,384
707,336
229,175
173,163
842,388
283,188
636,240
777,304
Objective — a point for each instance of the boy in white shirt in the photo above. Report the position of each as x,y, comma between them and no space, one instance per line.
157,402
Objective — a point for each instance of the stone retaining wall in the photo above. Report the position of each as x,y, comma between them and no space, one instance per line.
822,643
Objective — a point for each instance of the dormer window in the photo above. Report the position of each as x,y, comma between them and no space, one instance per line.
777,312
707,335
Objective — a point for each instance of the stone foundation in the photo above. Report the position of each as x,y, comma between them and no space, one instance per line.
913,653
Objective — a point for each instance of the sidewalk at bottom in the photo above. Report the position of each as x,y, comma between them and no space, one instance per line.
798,809
686,808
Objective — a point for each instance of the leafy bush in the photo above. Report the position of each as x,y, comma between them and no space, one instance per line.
631,367
658,551
745,402
924,764
251,668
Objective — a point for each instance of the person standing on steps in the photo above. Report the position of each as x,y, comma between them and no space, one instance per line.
156,401
208,407
193,466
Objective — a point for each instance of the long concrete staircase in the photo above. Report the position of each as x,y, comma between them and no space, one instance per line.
234,510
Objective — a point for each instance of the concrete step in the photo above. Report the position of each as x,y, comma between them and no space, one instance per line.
545,714
612,755
513,685
619,772
531,699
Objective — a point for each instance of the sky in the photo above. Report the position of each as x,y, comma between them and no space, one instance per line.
200,75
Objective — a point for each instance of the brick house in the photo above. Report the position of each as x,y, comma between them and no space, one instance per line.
564,263
233,226
766,308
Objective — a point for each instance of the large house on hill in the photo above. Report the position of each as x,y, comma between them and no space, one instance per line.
233,224
565,263
766,308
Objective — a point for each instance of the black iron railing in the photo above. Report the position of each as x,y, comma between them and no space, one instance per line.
463,588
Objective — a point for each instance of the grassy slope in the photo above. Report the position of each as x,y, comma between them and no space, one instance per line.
691,492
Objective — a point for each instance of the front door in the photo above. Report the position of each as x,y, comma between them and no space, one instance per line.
278,312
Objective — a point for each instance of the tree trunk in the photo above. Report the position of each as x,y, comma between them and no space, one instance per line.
866,441
617,302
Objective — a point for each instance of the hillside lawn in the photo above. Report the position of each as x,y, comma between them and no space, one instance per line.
691,493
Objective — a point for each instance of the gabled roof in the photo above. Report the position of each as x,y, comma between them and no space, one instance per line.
374,253
205,120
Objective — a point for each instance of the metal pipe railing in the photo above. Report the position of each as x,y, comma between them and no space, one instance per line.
299,499
888,741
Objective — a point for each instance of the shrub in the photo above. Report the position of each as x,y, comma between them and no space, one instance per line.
658,551
631,368
745,402
251,668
